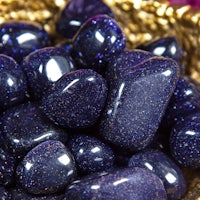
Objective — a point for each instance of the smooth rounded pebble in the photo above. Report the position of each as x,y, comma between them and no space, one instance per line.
76,100
46,169
160,164
25,126
44,67
91,154
127,184
185,141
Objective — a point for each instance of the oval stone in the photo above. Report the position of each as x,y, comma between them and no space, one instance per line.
76,100
137,99
19,39
158,163
13,83
25,126
44,67
46,169
127,183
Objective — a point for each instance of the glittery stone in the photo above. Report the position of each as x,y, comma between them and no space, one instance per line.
167,47
25,126
19,39
137,100
91,154
19,194
7,167
158,163
185,141
77,12
13,85
46,169
44,67
4,194
76,100
127,184
97,41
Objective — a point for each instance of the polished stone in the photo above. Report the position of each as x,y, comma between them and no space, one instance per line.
13,84
91,154
167,47
19,194
44,67
7,167
77,12
76,100
126,184
166,169
19,39
137,100
97,42
25,126
185,141
46,169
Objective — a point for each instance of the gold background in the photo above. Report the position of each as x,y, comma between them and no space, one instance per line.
142,21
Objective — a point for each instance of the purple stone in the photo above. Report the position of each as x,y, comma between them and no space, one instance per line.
13,83
44,67
137,100
77,12
25,126
46,169
97,42
158,163
91,154
76,100
127,184
185,141
19,39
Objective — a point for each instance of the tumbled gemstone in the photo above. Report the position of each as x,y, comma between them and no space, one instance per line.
13,84
19,39
158,163
77,12
185,141
128,183
19,194
76,100
91,154
46,169
167,47
7,167
97,42
137,100
25,126
44,67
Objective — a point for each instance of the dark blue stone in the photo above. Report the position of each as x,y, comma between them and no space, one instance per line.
46,169
185,141
97,41
13,84
25,126
76,100
77,12
167,47
7,167
127,184
44,67
19,39
19,194
4,194
137,100
91,154
158,163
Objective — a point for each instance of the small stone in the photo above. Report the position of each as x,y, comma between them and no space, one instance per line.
127,184
76,100
46,169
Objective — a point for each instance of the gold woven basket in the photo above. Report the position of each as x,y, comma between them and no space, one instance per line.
142,21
